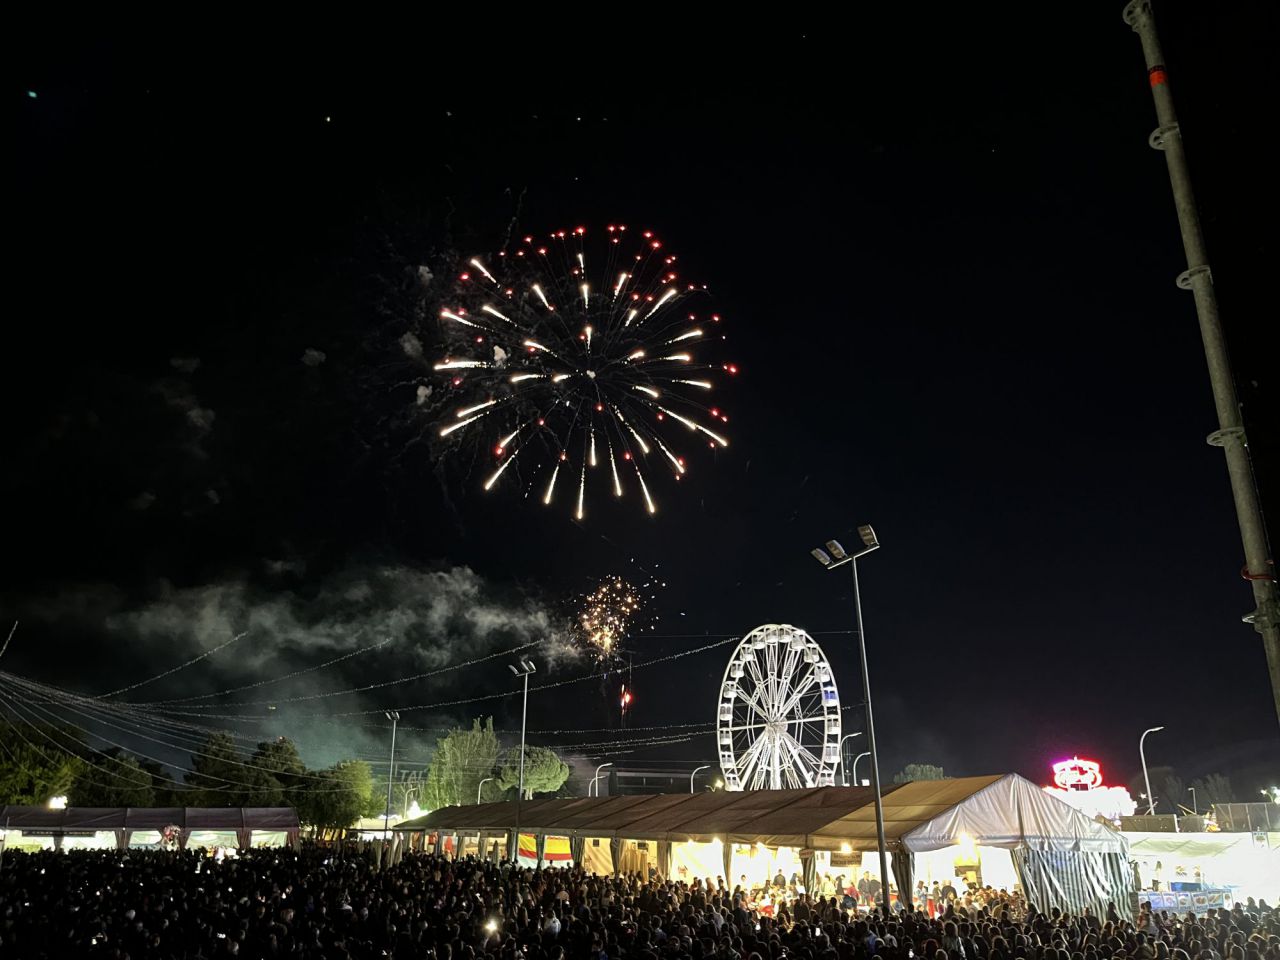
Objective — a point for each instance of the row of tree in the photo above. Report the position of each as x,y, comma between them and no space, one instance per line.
56,763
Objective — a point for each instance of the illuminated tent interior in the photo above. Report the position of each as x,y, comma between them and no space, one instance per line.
1247,864
996,830
35,828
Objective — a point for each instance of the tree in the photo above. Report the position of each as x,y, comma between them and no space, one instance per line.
218,776
544,771
115,780
1174,792
1215,788
918,771
277,772
33,769
463,758
335,798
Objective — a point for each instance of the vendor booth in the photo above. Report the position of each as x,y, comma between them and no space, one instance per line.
1198,872
1001,831
226,828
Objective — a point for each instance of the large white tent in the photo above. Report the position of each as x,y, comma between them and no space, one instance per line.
1001,827
123,827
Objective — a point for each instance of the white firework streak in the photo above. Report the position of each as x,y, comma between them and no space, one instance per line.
450,315
461,364
639,439
647,391
483,269
622,279
685,336
613,462
462,423
694,426
671,292
582,490
542,296
592,458
488,484
494,313
704,384
675,461
631,315
521,377
479,406
551,487
585,302
645,490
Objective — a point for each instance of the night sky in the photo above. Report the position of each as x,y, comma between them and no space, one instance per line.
946,259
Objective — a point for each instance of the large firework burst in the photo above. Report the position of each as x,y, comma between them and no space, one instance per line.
575,363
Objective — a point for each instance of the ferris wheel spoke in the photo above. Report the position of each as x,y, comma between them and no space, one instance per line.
801,755
751,759
799,692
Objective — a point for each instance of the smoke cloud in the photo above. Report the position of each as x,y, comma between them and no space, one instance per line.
433,619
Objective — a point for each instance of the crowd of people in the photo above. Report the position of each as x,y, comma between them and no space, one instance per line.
326,903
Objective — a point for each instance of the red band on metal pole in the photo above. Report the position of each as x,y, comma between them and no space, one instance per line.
1157,76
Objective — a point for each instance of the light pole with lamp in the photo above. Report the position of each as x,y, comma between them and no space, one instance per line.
595,781
481,787
844,769
394,717
1142,752
1192,791
838,558
856,781
525,669
705,766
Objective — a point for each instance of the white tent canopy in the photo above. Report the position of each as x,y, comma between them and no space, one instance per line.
1010,813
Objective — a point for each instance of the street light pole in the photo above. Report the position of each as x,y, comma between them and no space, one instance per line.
525,669
844,769
595,780
856,782
1142,752
1193,800
481,787
705,766
870,544
394,717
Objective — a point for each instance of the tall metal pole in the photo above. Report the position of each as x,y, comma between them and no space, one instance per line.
394,717
1193,801
524,716
1142,752
480,787
871,745
1198,279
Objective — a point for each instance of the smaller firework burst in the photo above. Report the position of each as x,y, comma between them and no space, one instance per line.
613,612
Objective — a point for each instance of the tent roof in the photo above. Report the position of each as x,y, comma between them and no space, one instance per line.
1003,811
149,818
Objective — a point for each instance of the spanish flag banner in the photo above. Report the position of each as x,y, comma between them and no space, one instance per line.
529,846
557,850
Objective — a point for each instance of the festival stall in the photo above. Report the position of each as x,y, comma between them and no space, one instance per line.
225,828
1203,871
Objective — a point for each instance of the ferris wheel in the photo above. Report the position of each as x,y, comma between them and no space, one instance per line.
778,721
